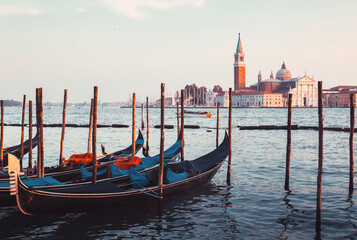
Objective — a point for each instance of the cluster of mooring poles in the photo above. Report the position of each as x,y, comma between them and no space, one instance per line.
162,127
320,153
39,165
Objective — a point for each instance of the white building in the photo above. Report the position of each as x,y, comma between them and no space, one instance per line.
305,94
251,99
211,98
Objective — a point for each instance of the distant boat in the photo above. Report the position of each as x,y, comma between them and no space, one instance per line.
198,113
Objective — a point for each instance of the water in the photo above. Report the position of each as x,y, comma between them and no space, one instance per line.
255,206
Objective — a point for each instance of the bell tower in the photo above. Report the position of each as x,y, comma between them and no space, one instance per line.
239,66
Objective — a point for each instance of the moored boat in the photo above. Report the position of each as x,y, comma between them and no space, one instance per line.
83,176
142,188
197,113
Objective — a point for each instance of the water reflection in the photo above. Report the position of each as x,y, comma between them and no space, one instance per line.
288,221
183,215
349,215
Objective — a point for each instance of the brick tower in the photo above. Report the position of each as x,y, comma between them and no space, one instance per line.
239,66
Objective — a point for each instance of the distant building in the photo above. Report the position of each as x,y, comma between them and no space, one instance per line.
169,102
302,88
195,96
251,99
339,96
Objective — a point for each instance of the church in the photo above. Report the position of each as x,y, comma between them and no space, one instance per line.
303,90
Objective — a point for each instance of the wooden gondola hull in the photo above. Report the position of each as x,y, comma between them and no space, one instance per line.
32,201
170,153
71,198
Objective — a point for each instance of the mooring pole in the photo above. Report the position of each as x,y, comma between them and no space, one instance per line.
2,136
319,176
178,119
133,126
161,175
142,116
94,136
230,138
352,129
63,126
29,167
90,125
182,124
38,133
22,130
288,145
41,127
147,125
217,127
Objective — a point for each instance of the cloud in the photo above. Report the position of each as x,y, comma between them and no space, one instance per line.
136,8
81,10
6,10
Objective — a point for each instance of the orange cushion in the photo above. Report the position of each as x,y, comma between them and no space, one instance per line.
78,160
126,164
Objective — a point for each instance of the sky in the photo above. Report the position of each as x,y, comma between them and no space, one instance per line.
127,46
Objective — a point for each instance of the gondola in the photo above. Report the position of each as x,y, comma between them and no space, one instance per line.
178,177
83,176
65,174
15,150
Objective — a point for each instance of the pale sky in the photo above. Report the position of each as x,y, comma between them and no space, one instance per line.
126,46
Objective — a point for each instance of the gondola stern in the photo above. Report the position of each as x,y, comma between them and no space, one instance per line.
15,180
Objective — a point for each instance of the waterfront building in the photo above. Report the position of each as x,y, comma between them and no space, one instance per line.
251,99
339,96
302,88
195,95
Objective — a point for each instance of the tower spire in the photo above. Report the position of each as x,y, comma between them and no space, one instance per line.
283,66
239,44
271,75
259,77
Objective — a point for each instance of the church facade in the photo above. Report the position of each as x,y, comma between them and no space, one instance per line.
303,90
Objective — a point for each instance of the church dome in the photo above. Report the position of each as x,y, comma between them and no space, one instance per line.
283,73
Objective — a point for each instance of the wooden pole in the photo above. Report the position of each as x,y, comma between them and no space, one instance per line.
230,137
41,127
217,128
38,133
133,125
90,125
63,126
147,124
142,116
320,163
182,124
288,145
161,175
2,136
352,129
30,138
22,131
178,119
94,138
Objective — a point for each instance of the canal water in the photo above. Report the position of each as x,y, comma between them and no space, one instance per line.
254,206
